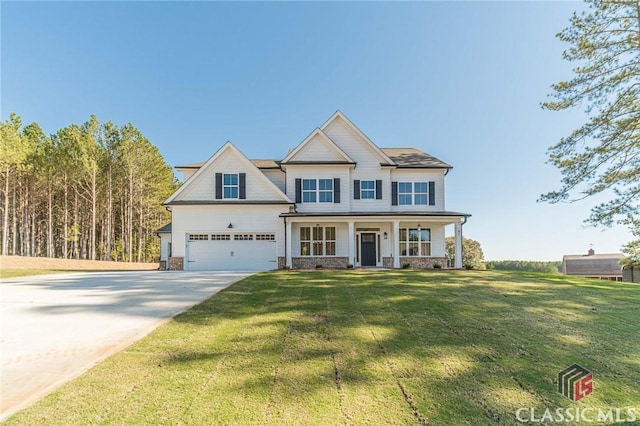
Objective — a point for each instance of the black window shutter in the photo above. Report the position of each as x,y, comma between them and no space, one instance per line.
356,189
336,190
218,186
242,181
378,190
432,193
394,193
298,190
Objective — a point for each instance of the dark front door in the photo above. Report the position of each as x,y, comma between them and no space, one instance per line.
368,249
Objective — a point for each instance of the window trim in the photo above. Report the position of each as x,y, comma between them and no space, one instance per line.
405,244
231,186
316,192
313,242
371,190
413,194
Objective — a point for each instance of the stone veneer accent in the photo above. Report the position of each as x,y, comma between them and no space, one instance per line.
387,262
281,262
176,263
163,265
423,262
326,262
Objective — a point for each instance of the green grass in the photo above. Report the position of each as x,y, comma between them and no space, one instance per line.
363,347
13,273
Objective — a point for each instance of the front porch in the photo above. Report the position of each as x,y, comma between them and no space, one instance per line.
340,240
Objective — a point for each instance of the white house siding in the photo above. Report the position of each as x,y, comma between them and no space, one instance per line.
317,149
204,187
353,145
368,166
408,175
320,172
278,177
216,218
165,240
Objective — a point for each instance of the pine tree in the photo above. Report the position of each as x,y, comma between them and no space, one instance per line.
603,155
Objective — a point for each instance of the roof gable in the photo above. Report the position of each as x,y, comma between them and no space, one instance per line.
199,187
317,148
338,119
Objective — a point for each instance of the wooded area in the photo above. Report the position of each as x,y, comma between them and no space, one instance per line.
90,191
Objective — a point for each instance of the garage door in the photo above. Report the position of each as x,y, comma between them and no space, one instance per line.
231,252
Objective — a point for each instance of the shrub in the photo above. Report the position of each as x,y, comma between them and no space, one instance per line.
349,266
286,267
406,265
318,266
437,266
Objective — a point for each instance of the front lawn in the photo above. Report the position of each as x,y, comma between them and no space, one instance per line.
367,347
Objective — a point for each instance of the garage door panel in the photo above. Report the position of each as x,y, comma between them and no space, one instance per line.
239,252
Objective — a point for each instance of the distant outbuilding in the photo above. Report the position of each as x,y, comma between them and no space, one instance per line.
591,265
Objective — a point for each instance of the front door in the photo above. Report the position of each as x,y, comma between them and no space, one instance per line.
368,249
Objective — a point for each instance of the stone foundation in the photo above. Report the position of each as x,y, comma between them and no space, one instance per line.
281,262
176,263
326,262
163,265
423,262
387,262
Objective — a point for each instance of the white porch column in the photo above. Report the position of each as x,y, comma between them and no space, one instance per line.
396,244
352,244
458,232
287,254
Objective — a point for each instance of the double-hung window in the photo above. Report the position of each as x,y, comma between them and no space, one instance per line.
413,193
405,193
317,190
318,241
367,189
230,185
309,190
415,242
325,190
420,193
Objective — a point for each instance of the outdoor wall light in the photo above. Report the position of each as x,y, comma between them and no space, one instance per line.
230,225
419,227
386,235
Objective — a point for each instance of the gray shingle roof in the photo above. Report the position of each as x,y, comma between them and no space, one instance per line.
261,164
403,157
165,229
413,157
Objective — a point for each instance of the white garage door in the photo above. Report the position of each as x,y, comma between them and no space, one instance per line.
231,252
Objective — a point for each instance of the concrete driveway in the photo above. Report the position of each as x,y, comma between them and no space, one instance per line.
56,327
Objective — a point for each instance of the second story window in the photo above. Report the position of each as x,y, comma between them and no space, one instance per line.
317,190
325,190
309,191
420,193
405,193
367,189
230,186
413,193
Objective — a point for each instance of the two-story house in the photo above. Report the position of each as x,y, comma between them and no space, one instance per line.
335,200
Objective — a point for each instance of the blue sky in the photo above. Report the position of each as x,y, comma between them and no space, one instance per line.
460,80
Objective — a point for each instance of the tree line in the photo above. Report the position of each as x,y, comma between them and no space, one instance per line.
525,266
88,191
